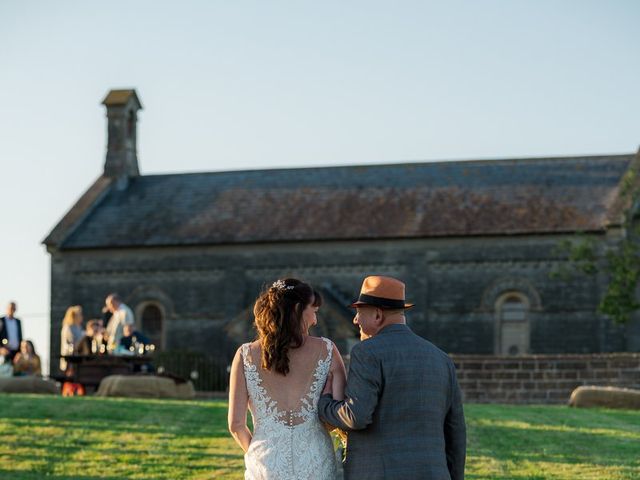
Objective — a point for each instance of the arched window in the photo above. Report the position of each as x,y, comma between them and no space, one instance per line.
512,324
151,323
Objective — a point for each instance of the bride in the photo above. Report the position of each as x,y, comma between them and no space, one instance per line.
280,378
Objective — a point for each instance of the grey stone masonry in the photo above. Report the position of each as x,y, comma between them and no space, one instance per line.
545,379
122,123
206,294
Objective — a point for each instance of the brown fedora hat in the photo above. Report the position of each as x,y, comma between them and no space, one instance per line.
382,292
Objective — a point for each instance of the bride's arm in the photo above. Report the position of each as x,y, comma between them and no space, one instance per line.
336,382
339,375
238,403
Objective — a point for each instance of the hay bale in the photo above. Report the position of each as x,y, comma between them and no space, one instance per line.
29,384
608,397
144,386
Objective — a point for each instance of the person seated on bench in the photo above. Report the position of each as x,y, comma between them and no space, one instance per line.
133,339
135,343
26,362
93,343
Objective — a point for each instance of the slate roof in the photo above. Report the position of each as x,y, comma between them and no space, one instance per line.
79,211
411,200
120,97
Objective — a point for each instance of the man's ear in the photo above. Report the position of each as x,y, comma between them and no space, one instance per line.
379,316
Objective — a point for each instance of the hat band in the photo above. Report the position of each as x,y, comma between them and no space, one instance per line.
380,301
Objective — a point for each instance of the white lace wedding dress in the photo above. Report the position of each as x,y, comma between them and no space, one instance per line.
289,441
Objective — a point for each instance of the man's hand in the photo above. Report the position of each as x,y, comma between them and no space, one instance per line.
4,352
328,387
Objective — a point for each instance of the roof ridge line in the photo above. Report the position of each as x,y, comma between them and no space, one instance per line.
418,163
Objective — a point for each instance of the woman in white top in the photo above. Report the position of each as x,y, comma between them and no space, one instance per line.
280,377
71,332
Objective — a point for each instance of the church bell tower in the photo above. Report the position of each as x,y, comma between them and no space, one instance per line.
122,118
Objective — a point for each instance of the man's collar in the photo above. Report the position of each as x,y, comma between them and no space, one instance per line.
394,327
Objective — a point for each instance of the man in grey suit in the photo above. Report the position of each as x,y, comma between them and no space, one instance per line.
402,407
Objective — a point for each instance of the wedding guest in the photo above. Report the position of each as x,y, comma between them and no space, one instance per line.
131,342
26,361
106,315
131,337
71,332
121,315
93,343
10,333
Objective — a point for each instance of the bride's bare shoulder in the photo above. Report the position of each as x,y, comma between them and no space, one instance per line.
316,342
253,347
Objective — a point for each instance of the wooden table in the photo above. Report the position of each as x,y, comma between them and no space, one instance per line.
89,370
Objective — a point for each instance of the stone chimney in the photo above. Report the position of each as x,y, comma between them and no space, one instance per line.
122,116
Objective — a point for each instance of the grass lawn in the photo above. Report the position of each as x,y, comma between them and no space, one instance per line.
91,438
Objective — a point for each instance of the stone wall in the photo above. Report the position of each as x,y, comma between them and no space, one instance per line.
542,378
206,293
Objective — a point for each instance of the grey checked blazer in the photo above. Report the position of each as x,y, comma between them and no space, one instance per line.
402,410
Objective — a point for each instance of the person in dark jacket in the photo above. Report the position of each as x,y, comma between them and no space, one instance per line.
402,409
10,333
132,337
93,343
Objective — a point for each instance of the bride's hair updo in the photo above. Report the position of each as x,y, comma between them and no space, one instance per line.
278,313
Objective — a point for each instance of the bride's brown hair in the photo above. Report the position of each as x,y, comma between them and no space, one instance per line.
278,317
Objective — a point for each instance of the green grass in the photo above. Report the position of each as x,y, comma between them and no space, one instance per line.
90,438
98,438
552,442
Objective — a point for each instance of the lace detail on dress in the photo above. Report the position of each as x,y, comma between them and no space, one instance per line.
265,406
310,400
281,449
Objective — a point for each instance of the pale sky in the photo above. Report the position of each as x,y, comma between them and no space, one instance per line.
266,84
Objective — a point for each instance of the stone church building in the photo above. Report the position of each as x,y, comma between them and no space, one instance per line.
475,242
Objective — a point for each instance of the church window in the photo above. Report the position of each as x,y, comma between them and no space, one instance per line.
512,324
152,323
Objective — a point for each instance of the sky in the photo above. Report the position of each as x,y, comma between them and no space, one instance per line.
255,84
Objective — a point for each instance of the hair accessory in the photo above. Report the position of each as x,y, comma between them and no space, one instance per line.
280,285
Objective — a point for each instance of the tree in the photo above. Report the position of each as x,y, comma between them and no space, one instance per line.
620,262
